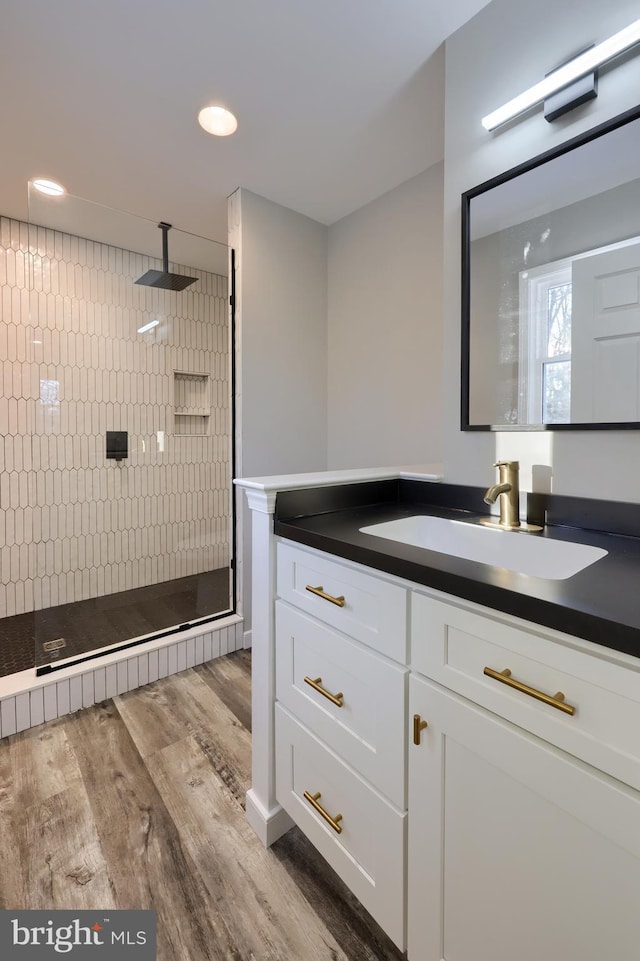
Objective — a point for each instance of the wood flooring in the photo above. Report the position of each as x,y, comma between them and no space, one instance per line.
138,802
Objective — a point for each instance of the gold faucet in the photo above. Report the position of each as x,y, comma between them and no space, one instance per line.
508,490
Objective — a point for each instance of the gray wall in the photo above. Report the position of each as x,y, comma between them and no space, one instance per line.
506,48
339,337
385,328
282,323
281,315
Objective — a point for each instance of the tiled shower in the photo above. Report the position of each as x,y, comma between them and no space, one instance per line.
98,549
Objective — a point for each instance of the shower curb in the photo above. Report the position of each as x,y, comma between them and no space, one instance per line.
36,700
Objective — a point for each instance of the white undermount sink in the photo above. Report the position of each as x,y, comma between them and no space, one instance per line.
517,551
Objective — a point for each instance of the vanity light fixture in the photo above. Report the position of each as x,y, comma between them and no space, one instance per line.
579,67
49,187
217,120
149,326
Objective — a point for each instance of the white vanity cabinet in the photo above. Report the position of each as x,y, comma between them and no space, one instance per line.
340,759
522,837
511,829
518,848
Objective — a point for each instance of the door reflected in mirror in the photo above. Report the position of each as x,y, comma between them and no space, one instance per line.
551,288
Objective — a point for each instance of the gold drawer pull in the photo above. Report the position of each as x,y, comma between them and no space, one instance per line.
327,597
313,801
316,685
555,700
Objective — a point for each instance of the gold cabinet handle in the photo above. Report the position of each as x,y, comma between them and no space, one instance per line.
418,726
319,591
313,801
556,700
316,683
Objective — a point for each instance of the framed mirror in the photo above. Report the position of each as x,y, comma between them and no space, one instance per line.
551,288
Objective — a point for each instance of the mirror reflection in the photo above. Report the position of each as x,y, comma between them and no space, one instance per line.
551,288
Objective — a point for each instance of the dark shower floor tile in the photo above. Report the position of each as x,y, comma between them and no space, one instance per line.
102,621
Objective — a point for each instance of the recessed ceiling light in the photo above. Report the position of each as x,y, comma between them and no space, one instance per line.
217,120
49,187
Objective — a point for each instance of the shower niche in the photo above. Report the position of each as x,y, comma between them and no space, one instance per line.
191,403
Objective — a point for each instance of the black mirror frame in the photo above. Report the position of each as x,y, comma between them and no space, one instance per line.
465,342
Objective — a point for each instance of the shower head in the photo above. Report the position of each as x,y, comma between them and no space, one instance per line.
162,278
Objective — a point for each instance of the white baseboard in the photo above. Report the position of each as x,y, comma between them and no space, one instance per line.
247,640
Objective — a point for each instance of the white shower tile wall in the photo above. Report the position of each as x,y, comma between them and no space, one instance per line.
73,365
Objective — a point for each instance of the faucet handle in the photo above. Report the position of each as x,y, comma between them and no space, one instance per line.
511,464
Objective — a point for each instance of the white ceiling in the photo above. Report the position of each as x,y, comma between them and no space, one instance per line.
337,101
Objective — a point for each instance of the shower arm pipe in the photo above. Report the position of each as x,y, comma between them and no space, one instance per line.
165,228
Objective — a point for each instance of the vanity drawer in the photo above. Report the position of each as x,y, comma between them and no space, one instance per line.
368,853
367,727
370,609
454,647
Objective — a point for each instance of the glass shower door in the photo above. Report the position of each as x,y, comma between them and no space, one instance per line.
128,412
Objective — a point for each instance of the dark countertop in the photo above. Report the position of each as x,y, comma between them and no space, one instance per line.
600,603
